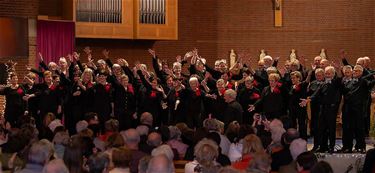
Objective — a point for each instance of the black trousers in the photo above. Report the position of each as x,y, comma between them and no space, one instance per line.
353,122
327,125
315,110
299,115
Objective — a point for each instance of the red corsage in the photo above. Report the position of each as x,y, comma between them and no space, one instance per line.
130,89
279,84
229,86
52,88
222,92
107,88
153,94
20,91
255,96
297,88
198,92
276,90
177,94
255,83
89,85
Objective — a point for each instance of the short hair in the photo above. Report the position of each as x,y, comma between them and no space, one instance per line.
40,152
249,79
146,118
267,57
277,133
290,135
220,81
295,62
231,93
121,157
206,151
358,67
130,136
319,70
271,70
143,164
275,76
163,149
211,124
55,166
142,130
89,71
98,162
330,68
160,164
252,144
112,125
154,139
176,64
47,73
193,79
321,167
174,132
307,160
347,67
297,74
297,147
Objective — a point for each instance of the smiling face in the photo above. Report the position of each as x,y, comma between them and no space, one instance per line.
357,71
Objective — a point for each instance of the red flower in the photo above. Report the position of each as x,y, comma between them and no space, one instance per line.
278,84
177,94
20,91
276,90
222,92
107,88
255,96
153,94
52,88
130,89
255,83
198,92
89,85
229,86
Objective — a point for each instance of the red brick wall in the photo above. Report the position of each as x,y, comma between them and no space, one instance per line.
216,26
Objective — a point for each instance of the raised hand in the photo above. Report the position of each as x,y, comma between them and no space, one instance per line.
343,54
152,53
40,57
303,102
251,108
28,67
179,58
87,50
105,53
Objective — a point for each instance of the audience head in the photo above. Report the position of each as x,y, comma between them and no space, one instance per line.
321,167
252,144
121,157
160,164
229,169
174,132
277,133
290,135
55,166
297,147
305,161
115,140
154,139
112,125
214,136
143,164
163,149
230,95
211,124
98,163
73,158
206,152
131,138
40,152
146,119
81,125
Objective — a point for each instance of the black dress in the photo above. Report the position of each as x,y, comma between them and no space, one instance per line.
101,97
49,99
15,105
248,97
124,105
296,112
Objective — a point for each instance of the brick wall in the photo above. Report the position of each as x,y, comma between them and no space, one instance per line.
216,26
26,9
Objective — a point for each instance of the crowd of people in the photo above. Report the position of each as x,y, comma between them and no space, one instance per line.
102,116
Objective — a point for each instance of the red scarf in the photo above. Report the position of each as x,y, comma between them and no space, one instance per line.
297,88
197,92
276,90
130,89
107,88
177,94
52,88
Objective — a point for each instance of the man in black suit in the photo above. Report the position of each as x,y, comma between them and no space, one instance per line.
354,109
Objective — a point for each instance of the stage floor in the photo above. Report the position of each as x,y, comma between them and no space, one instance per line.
370,142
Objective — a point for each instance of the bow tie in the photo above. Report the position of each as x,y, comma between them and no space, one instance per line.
355,80
328,81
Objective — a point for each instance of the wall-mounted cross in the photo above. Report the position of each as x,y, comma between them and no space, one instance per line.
278,13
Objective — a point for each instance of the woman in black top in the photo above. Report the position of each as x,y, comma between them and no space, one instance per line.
15,105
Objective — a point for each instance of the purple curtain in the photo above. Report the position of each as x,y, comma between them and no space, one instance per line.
55,39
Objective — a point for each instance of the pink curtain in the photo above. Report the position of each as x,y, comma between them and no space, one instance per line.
54,39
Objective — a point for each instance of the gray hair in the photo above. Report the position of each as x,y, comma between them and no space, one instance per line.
160,164
130,136
206,151
146,118
277,133
55,166
174,132
163,149
231,93
40,152
297,147
142,130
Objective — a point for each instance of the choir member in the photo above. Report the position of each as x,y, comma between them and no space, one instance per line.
15,105
247,96
233,111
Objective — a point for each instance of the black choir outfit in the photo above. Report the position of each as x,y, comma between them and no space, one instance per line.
297,113
273,101
49,100
247,97
315,110
101,101
15,106
125,105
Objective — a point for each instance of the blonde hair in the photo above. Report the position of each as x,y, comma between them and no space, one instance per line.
206,151
297,74
252,144
274,76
